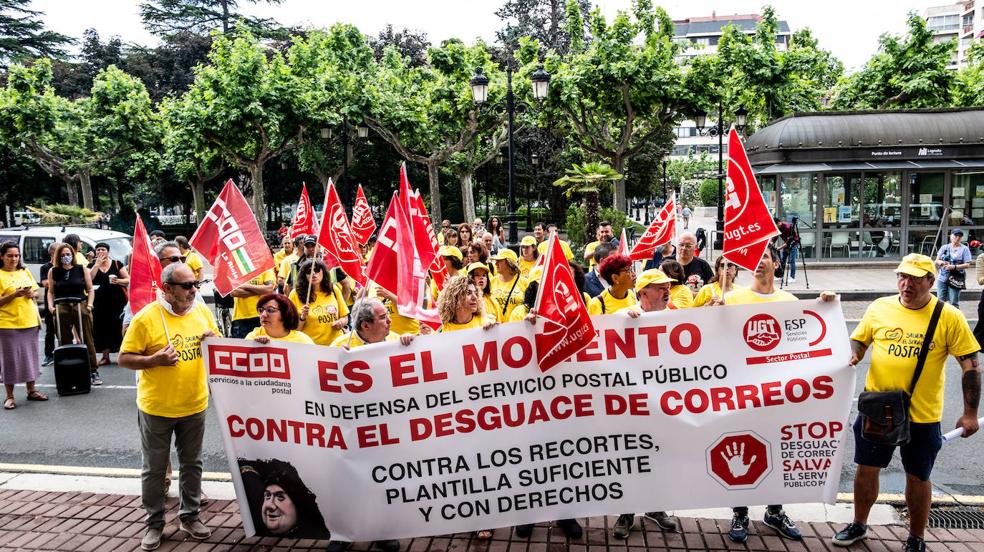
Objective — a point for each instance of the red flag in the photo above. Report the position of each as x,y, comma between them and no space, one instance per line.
425,240
411,271
145,270
662,230
623,244
382,263
363,224
336,237
567,327
305,221
748,226
230,240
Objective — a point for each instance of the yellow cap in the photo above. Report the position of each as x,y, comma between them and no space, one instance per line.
652,276
506,254
450,251
916,265
528,240
477,266
535,273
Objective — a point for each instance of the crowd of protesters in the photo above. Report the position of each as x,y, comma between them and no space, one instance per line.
302,300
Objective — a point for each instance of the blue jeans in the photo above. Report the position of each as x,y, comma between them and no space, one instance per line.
947,293
790,253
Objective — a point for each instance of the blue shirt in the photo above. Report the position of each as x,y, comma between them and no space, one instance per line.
954,256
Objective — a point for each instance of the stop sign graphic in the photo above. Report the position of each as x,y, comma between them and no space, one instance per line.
739,460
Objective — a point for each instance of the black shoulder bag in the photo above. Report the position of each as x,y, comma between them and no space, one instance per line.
885,414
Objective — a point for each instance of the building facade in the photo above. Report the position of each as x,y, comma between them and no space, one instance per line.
876,184
962,22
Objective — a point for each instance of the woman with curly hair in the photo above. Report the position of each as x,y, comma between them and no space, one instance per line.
616,269
680,295
323,311
460,306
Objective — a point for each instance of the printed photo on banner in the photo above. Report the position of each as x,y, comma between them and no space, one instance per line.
280,504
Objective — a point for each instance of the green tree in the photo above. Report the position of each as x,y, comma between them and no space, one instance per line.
23,34
74,140
465,163
620,90
968,90
588,180
906,72
169,17
413,45
543,20
427,113
193,158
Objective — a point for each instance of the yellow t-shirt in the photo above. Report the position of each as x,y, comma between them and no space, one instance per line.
80,259
475,322
356,341
612,305
896,334
506,298
745,296
681,296
519,313
194,262
542,248
399,323
278,257
20,312
323,311
710,291
283,268
589,250
525,267
245,307
293,336
493,310
171,391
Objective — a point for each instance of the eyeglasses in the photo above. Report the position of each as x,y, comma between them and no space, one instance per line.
268,310
186,285
175,259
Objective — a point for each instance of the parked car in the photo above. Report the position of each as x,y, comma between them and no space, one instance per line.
34,242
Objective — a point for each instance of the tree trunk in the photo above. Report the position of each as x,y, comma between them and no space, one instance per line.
198,198
467,196
259,209
618,199
85,183
73,192
433,172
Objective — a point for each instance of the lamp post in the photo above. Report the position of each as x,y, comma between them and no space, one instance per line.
480,93
700,121
535,160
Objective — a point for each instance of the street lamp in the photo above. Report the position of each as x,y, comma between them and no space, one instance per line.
362,131
535,161
700,121
479,84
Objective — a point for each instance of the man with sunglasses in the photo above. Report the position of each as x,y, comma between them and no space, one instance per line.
164,343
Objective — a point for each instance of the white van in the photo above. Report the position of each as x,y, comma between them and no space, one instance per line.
26,217
34,242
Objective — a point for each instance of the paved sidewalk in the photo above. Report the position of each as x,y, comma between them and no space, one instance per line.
38,520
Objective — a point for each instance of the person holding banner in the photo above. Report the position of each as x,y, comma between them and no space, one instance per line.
897,327
508,285
527,255
478,273
163,342
618,271
713,291
323,311
460,307
278,321
680,294
371,324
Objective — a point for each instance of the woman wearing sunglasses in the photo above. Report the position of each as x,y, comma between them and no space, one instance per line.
322,307
278,321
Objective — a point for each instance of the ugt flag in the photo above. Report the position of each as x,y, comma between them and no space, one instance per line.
662,230
363,224
145,270
231,241
567,327
305,222
748,226
336,237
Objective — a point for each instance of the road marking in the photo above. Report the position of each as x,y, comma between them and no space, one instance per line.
53,386
96,471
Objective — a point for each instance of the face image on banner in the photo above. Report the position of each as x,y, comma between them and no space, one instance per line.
280,504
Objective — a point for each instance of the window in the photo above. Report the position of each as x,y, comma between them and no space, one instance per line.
36,249
842,201
7,238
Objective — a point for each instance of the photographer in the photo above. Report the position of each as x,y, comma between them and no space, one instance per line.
790,246
951,260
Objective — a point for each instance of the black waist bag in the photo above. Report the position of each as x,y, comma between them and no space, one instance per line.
885,414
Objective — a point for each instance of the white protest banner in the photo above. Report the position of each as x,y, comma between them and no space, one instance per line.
690,408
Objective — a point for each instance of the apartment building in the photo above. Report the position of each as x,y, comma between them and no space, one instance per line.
962,21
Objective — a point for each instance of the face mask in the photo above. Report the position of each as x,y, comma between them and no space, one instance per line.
66,259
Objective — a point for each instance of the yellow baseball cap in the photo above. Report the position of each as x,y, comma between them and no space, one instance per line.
506,254
450,251
528,240
477,266
916,265
652,276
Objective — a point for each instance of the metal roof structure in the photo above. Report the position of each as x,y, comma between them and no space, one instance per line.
705,26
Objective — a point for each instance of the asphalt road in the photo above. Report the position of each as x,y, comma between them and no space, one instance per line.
100,430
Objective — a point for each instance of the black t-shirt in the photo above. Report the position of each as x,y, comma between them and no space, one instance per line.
68,283
698,272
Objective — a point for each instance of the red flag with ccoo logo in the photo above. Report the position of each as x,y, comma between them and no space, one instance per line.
748,225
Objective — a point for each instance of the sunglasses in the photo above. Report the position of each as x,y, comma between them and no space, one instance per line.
175,259
186,285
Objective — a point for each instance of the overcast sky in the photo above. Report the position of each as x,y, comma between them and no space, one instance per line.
849,28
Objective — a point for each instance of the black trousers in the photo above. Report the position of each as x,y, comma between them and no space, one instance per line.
49,332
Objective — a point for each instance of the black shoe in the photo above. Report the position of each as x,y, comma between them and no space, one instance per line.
571,528
739,528
338,546
392,545
523,531
662,520
850,534
782,524
48,359
623,525
915,544
94,378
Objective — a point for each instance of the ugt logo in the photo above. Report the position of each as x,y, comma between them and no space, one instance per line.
762,332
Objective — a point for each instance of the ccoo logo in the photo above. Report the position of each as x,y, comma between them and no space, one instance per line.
762,332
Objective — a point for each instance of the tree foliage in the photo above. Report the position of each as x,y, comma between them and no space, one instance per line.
588,180
23,35
907,72
969,86
546,21
170,17
412,44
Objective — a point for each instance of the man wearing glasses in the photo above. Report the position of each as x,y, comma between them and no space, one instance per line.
163,342
698,270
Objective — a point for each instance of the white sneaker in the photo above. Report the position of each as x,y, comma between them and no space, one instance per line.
792,280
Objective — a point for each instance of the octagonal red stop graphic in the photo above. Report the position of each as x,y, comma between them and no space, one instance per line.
739,460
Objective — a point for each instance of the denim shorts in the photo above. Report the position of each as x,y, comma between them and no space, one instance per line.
918,455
